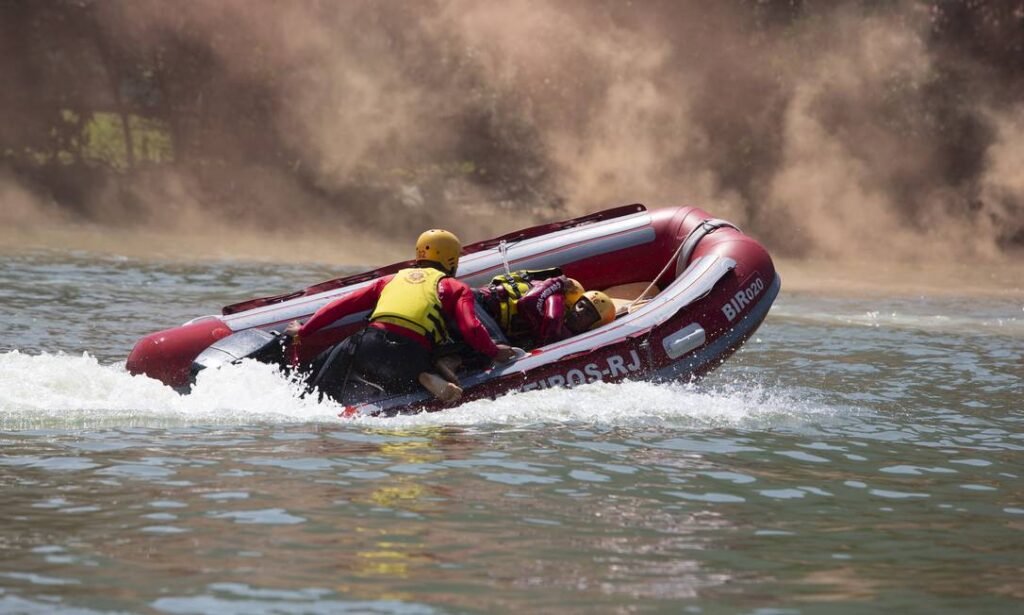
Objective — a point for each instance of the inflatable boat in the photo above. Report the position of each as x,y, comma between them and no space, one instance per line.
689,289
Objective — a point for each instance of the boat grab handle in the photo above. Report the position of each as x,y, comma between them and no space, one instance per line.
702,230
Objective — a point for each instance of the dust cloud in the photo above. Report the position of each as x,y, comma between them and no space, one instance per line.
831,131
22,209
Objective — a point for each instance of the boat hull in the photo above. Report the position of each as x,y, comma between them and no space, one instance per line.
716,286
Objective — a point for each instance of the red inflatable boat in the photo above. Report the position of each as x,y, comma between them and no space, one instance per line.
690,290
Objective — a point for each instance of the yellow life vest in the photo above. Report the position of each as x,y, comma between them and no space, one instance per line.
411,300
517,284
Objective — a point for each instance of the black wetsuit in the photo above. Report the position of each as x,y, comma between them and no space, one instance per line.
368,356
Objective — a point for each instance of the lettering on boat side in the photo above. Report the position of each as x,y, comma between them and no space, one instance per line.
742,299
612,366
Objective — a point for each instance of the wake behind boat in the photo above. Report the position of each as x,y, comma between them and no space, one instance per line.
689,288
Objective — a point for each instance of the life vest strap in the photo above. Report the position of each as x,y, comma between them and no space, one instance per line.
404,323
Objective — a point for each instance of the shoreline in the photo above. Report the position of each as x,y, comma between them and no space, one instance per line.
1002,277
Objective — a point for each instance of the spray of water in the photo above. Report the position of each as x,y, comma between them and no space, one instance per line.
57,390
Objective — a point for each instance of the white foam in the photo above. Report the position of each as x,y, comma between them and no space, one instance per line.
51,390
1004,323
58,389
628,404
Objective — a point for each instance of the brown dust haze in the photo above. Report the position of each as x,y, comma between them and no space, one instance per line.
829,130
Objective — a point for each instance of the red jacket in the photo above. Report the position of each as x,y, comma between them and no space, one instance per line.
541,310
456,302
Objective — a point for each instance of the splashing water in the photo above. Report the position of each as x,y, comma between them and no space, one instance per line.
63,390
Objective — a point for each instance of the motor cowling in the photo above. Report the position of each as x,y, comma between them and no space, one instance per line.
255,344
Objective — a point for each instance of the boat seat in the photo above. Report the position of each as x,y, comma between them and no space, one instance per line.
623,295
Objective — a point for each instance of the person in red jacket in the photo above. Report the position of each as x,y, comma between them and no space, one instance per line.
535,312
412,311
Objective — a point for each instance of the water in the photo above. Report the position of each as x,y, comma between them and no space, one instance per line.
858,455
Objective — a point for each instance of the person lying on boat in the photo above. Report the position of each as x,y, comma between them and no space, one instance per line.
528,309
533,309
411,312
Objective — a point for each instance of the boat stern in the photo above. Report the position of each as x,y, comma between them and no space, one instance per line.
167,355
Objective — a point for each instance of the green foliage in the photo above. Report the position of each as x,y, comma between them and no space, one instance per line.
104,140
101,140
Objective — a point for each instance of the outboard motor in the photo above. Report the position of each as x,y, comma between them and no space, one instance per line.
272,347
255,344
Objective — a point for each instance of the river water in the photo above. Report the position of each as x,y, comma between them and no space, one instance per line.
861,454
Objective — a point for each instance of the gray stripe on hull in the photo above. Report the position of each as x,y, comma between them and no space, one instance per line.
713,351
584,250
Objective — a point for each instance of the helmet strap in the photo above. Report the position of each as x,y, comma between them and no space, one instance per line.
434,265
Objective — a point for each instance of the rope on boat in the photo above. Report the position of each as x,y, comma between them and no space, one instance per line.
503,250
687,247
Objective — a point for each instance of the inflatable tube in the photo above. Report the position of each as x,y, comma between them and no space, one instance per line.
712,286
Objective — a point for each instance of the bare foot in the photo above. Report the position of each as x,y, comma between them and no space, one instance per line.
440,388
451,394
